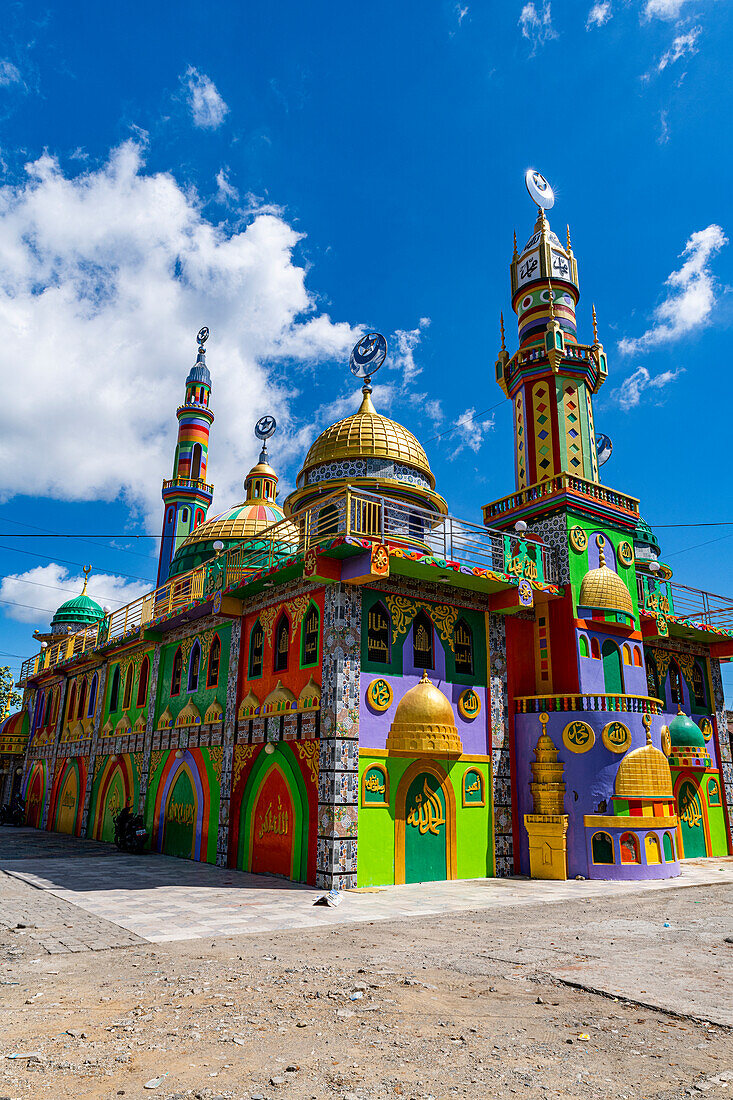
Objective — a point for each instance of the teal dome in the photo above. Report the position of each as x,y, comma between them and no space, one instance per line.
684,733
81,611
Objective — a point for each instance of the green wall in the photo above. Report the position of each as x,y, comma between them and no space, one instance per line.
203,697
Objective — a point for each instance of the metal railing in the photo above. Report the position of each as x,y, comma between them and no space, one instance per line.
562,483
350,513
687,605
536,704
189,483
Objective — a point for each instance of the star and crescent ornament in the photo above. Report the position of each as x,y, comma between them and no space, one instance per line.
539,189
203,336
368,355
265,427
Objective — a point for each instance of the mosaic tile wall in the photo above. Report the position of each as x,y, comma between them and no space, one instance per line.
501,778
338,779
51,752
149,728
554,531
726,762
101,691
230,727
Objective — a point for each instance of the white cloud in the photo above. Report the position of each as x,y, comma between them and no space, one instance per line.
226,192
402,357
663,129
537,25
207,106
599,14
48,586
461,12
9,74
663,9
682,45
628,394
106,277
470,431
690,296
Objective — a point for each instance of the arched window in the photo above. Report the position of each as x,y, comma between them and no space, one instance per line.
194,664
675,684
698,685
55,708
184,515
309,637
378,634
196,462
652,677
282,639
637,656
82,700
126,698
40,702
47,712
713,791
72,701
93,695
630,848
212,669
422,641
652,849
176,673
256,649
463,645
627,654
595,649
328,521
602,847
114,695
142,683
583,646
613,676
668,848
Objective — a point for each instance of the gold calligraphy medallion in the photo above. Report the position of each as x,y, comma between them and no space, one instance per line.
616,736
379,695
578,737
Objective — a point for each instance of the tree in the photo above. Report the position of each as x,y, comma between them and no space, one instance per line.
10,699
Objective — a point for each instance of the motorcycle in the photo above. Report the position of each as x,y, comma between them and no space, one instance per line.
130,832
13,813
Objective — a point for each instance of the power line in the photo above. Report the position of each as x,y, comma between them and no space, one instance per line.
67,591
63,561
77,538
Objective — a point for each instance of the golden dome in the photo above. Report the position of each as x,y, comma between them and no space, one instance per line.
424,722
644,773
368,434
603,588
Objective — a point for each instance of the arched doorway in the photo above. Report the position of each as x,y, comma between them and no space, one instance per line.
179,827
274,818
67,805
34,796
613,676
114,798
425,825
692,826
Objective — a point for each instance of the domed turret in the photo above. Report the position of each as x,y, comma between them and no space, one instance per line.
684,733
644,773
424,722
602,588
77,613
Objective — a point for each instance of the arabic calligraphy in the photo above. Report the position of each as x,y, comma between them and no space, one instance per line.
616,737
690,809
578,737
374,783
469,703
275,821
374,786
379,695
427,813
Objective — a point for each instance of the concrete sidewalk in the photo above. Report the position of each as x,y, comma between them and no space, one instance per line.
161,899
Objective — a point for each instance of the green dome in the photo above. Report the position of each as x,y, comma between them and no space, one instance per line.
684,733
82,609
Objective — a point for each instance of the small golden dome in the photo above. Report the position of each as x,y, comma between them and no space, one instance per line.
644,773
603,588
424,722
368,434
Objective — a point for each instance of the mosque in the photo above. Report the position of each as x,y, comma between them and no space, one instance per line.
355,687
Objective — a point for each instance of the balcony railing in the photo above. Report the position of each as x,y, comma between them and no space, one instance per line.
189,483
688,605
563,483
536,704
349,513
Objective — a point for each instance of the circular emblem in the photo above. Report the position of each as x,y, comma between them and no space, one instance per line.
216,607
539,189
265,427
368,355
666,741
616,737
203,336
706,728
578,539
379,695
469,703
578,737
625,553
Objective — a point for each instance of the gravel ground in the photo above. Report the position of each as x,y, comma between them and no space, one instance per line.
470,1005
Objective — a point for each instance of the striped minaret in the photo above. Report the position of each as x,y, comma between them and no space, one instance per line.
186,497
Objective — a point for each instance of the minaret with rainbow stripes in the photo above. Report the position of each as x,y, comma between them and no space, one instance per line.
187,496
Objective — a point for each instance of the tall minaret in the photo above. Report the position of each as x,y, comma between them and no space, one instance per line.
186,497
550,378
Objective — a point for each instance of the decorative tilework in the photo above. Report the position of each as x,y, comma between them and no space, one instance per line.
500,770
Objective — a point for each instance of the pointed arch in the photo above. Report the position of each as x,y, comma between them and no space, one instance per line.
595,649
415,770
652,677
256,650
82,699
675,684
142,682
47,711
177,672
583,646
127,694
93,695
422,641
72,702
114,694
310,633
56,701
698,684
194,666
282,644
196,454
379,634
212,667
463,647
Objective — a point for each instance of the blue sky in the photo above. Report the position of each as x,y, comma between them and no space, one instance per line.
291,174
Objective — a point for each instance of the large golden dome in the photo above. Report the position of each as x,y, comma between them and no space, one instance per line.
603,588
368,434
644,773
424,722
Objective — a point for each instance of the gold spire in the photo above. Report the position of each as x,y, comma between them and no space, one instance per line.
501,325
516,254
570,247
595,325
86,570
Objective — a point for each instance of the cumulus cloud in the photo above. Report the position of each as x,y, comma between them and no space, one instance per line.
664,9
599,14
682,45
34,596
537,25
208,109
690,294
470,431
106,277
629,393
